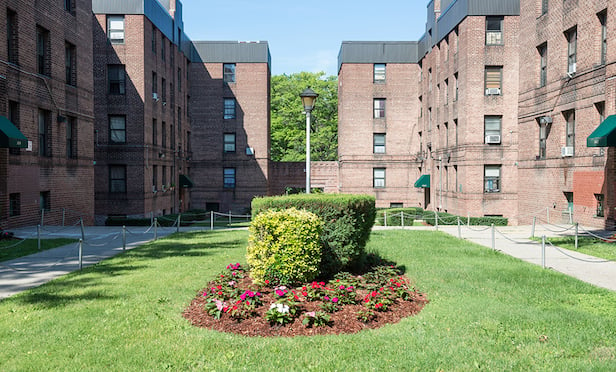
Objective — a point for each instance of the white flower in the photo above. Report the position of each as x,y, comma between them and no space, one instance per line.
281,308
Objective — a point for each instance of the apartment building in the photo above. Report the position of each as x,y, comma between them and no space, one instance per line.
142,141
231,123
433,123
567,94
46,113
377,89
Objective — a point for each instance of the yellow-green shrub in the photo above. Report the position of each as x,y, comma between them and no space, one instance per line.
284,246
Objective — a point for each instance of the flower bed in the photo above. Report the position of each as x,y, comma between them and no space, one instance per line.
346,304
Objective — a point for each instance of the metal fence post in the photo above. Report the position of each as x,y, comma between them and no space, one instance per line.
493,238
402,218
179,221
543,251
43,217
385,218
577,225
83,231
229,218
459,229
123,237
80,254
436,220
532,232
211,220
38,236
155,228
468,219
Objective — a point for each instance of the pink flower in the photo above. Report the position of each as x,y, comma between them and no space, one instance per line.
341,287
335,299
326,298
311,314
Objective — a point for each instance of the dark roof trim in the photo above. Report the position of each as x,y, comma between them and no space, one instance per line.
378,52
231,52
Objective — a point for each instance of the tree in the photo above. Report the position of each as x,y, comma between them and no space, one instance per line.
289,123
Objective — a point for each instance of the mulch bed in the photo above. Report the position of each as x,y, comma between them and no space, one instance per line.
343,321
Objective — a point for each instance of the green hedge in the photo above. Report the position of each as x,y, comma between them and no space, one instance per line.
348,220
451,219
284,247
393,216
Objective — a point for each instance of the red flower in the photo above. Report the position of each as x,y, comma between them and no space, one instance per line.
367,299
374,294
220,293
266,281
296,297
305,294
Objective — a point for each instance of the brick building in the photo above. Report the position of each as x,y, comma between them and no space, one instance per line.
231,124
433,123
567,91
46,90
142,128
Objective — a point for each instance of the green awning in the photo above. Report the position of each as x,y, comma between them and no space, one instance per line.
423,181
10,136
604,135
185,182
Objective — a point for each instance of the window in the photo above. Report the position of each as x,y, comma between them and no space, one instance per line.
163,93
154,39
154,86
70,58
154,177
116,79
379,72
429,80
571,36
71,137
379,143
494,30
420,106
455,127
179,79
229,108
14,118
600,106
12,39
570,118
544,6
228,178
603,21
163,42
600,198
544,131
492,176
117,179
396,205
228,72
117,129
69,6
493,80
543,64
44,124
446,126
45,201
115,29
446,91
154,132
43,57
163,129
492,129
14,204
456,86
379,107
229,142
378,177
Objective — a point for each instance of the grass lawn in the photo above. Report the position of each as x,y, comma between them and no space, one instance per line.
587,245
487,311
10,249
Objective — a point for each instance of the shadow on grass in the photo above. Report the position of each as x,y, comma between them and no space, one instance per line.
48,299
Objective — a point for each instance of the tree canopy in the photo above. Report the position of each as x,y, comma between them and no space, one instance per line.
288,142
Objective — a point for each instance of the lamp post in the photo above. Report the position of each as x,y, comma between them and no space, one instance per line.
309,98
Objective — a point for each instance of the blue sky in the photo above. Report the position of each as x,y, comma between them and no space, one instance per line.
304,35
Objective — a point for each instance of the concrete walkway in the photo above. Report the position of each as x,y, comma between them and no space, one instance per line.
102,242
514,241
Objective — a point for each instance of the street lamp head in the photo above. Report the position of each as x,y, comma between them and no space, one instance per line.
309,98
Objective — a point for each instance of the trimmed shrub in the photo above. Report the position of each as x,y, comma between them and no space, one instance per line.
450,219
348,220
394,218
284,246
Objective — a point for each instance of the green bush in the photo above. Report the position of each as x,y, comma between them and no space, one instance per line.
348,221
394,218
450,219
284,246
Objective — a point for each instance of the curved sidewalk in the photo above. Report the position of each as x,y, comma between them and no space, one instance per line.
514,241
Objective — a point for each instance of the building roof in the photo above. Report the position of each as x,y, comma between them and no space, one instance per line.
378,52
231,52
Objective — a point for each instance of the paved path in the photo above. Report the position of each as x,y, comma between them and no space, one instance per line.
514,241
102,242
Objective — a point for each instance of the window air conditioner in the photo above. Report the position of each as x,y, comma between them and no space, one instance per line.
493,139
493,91
545,120
566,151
155,96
